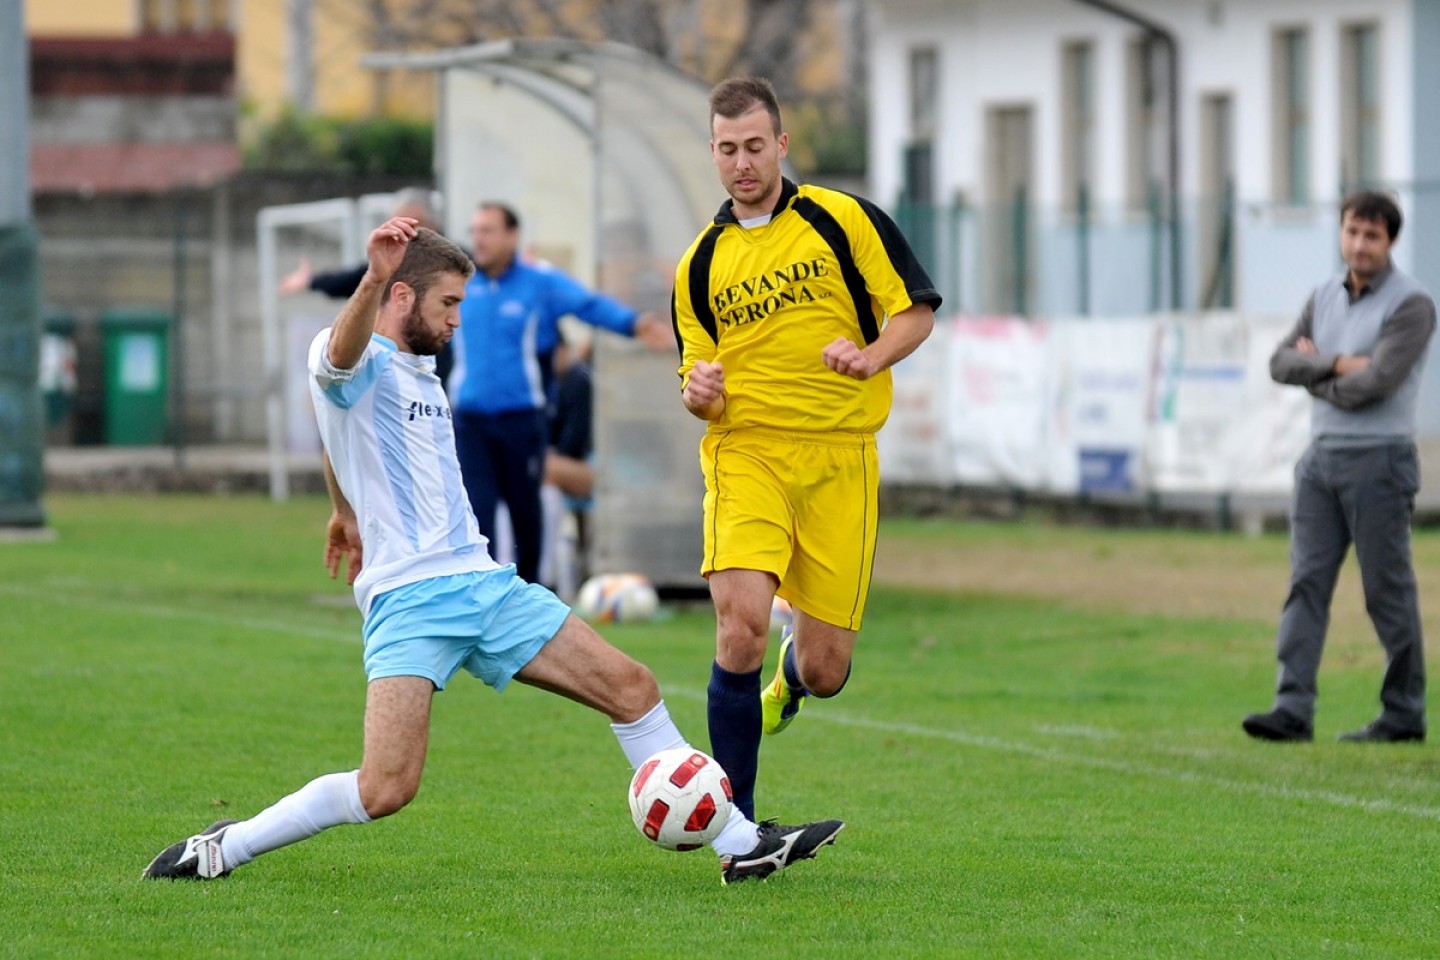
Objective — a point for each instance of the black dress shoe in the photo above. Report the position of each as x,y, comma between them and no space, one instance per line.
1278,725
1382,732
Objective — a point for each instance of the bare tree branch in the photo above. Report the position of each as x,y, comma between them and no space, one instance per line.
757,37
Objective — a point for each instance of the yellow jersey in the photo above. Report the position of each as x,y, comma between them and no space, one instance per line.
764,301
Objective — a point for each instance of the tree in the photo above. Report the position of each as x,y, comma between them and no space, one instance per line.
811,50
709,40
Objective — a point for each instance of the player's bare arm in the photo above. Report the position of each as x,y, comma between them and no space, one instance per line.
654,331
383,252
342,532
704,392
298,280
902,334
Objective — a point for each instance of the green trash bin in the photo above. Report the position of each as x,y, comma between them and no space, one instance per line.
137,376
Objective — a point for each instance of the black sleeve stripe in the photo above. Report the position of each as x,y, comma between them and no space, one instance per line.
902,258
825,224
675,324
698,278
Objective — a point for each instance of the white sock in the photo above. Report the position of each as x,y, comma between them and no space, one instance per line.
647,736
739,836
655,732
322,803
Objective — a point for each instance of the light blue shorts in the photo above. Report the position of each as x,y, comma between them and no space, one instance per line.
490,623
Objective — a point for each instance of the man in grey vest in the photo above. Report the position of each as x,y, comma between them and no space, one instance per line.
1359,348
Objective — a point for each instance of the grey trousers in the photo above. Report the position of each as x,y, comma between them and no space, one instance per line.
1365,496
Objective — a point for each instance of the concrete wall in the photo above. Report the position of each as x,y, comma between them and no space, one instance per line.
98,118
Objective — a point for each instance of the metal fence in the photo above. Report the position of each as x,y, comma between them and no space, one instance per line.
1017,257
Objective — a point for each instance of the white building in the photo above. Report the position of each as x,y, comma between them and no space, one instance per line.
1160,178
1036,137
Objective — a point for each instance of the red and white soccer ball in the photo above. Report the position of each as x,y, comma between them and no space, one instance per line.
680,799
617,598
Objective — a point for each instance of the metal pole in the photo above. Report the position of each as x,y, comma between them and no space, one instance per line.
222,320
1153,203
957,227
14,115
1022,243
1083,248
177,336
274,380
22,449
597,156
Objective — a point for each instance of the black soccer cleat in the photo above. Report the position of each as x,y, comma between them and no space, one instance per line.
778,848
197,858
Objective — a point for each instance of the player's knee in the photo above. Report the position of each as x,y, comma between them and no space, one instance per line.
740,644
384,795
637,693
826,679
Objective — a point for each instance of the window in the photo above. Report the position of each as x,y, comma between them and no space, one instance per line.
1292,116
1009,240
157,15
918,197
170,16
1360,105
222,15
1143,130
924,92
1077,97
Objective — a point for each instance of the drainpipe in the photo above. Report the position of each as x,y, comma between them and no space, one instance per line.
1166,39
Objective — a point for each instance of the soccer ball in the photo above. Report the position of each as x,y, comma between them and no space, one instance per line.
680,799
781,616
617,598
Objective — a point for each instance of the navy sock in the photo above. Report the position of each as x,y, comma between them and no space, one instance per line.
734,713
792,672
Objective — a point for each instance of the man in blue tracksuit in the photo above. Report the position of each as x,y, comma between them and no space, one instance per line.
509,326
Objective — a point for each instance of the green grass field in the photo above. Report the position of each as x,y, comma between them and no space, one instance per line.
1023,776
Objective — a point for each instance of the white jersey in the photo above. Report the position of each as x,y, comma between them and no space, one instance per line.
387,428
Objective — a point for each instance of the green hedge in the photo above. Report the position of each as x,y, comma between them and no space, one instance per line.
294,142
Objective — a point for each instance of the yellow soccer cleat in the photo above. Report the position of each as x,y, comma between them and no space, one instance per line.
780,702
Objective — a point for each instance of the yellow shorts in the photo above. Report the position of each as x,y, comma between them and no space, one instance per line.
802,506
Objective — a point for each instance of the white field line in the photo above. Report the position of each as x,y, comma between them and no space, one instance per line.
74,596
1128,767
838,718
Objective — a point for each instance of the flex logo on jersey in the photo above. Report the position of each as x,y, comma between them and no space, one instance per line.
758,297
416,409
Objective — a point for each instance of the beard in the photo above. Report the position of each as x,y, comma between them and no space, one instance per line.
754,194
422,341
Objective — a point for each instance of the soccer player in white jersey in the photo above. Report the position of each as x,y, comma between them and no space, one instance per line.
433,600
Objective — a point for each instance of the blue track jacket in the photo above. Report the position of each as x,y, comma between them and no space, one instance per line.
509,327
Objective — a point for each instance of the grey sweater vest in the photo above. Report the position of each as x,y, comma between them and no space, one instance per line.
1342,327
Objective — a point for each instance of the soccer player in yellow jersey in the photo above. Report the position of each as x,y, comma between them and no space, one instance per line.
790,310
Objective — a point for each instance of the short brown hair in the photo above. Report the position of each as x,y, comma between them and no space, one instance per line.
739,95
428,256
507,212
1375,205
